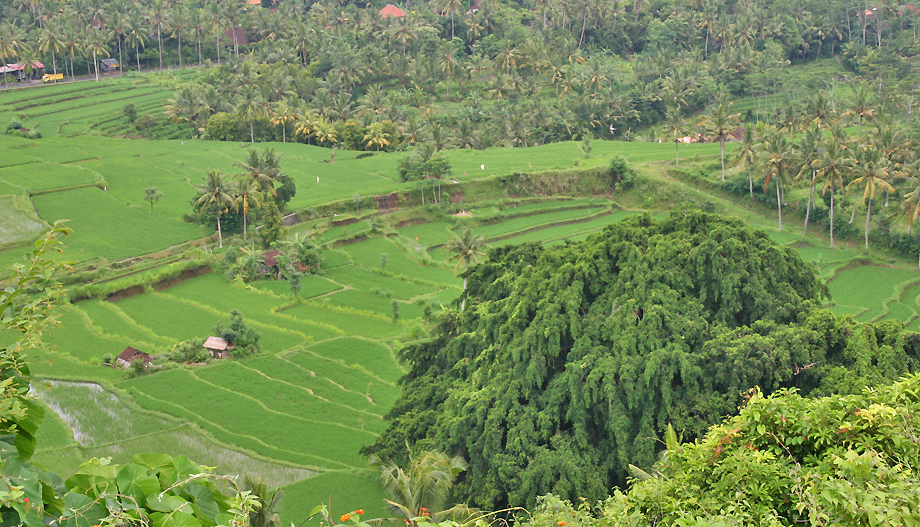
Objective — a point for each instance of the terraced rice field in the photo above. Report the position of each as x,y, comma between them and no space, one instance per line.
298,412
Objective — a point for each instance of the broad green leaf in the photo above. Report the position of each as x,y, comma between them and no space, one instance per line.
134,481
167,503
81,511
153,461
203,498
174,519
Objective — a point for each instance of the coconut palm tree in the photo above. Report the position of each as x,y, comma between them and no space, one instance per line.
777,161
718,124
215,195
424,488
264,169
50,40
96,45
136,33
283,115
746,156
246,193
808,151
872,172
862,106
185,108
11,40
251,105
830,166
675,127
157,14
465,248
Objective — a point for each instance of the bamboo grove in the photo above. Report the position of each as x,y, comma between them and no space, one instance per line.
567,363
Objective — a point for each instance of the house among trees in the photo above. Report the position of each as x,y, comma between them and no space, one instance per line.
125,358
18,70
391,10
109,64
218,347
270,262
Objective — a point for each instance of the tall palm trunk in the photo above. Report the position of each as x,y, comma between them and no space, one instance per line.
751,183
853,215
722,154
245,217
779,205
138,56
95,66
868,216
220,234
811,194
676,153
160,45
832,218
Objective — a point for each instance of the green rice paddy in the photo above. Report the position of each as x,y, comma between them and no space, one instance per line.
298,412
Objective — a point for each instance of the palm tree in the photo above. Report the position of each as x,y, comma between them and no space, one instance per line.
250,106
718,124
196,23
157,16
377,136
910,207
216,12
830,166
49,40
423,489
96,45
246,194
11,40
776,164
185,107
861,106
214,195
152,195
746,156
808,152
264,169
137,33
675,127
178,21
872,170
283,115
465,248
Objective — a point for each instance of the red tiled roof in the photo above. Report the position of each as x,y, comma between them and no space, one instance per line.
392,10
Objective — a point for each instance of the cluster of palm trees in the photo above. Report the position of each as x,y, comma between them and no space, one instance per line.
248,189
520,76
811,147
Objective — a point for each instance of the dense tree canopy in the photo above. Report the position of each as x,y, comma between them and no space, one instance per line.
569,362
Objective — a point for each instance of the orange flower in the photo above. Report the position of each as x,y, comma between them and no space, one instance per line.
345,517
359,511
561,524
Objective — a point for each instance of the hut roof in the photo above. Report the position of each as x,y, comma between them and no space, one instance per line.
109,62
219,344
131,354
271,258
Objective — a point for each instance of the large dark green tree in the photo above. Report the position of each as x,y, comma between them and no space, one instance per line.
568,362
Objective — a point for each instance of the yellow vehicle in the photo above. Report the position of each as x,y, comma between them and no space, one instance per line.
52,77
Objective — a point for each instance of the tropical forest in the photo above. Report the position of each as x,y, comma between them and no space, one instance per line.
459,263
